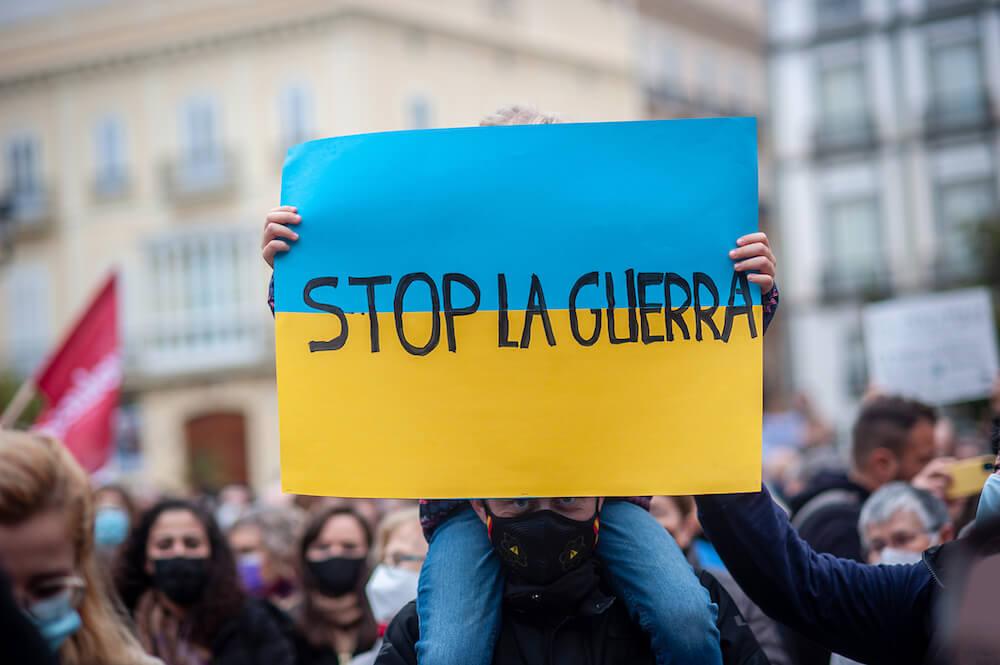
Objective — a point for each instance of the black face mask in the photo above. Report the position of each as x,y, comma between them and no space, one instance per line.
542,546
181,579
337,575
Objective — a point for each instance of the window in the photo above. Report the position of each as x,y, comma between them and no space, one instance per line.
960,207
203,311
957,93
842,94
109,151
669,65
199,140
843,115
27,316
739,89
203,167
22,166
834,14
419,113
707,77
296,115
854,260
28,205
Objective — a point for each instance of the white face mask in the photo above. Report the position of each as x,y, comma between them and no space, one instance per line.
892,555
227,514
389,589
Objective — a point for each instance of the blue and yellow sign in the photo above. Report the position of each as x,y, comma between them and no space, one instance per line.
543,310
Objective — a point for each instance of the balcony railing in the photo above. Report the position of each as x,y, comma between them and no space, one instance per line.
960,113
111,185
27,211
845,283
834,17
938,9
207,175
205,308
846,133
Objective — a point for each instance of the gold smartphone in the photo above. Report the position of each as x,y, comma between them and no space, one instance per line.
968,476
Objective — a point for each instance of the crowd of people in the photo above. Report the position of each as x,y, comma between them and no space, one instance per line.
869,557
89,576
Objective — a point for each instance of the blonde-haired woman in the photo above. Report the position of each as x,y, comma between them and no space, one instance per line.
398,554
47,550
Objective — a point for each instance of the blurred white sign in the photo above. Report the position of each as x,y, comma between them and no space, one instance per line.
939,348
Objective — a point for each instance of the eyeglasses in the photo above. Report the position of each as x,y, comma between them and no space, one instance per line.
397,559
68,590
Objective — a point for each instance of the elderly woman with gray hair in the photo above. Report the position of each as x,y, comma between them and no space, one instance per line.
263,541
899,522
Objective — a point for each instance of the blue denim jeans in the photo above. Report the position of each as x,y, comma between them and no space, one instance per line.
461,587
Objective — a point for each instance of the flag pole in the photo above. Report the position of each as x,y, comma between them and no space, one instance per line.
22,398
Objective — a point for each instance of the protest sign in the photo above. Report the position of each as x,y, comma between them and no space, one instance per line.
938,348
543,310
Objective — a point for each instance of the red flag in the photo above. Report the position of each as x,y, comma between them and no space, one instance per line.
81,382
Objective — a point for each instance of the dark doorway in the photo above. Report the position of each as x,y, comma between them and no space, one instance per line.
217,452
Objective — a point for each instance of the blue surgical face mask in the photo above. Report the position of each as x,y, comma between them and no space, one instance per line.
110,527
56,619
989,500
249,566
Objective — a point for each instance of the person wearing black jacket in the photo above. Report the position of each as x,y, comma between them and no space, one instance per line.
177,578
892,439
556,605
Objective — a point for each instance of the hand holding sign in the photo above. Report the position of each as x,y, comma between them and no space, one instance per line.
753,252
495,333
276,227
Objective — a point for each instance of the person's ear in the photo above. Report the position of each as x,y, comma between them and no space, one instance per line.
883,465
947,533
600,503
479,506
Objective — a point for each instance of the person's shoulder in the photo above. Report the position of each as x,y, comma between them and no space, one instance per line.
405,624
256,611
738,642
822,483
399,644
833,508
260,620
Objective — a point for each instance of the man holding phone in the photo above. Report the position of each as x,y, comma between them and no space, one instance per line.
872,614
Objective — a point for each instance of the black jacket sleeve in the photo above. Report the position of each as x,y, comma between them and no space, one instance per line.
399,645
874,614
739,645
834,530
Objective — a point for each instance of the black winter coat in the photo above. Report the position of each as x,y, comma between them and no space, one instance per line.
600,633
254,637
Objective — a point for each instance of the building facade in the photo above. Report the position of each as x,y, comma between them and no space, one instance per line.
705,58
148,136
886,151
702,58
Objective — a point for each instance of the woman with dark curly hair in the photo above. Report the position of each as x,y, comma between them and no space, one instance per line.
177,577
335,623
